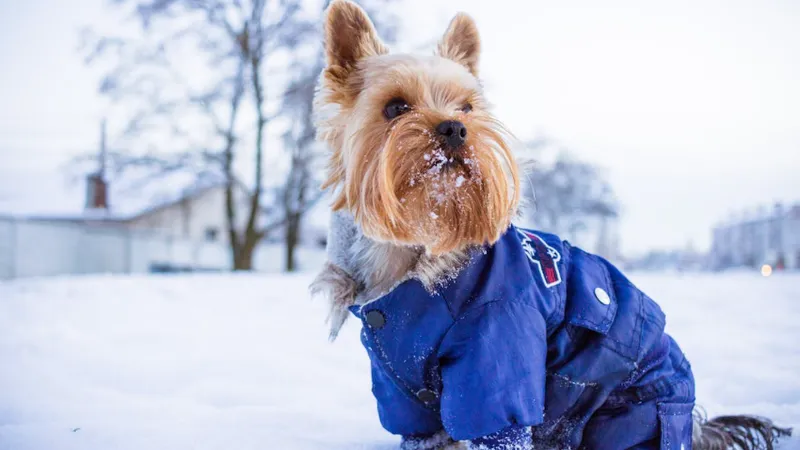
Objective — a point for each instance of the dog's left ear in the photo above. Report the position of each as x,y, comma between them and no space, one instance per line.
349,35
461,43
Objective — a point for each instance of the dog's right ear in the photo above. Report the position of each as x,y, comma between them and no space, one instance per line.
349,36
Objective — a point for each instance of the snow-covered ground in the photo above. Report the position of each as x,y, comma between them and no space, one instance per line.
235,362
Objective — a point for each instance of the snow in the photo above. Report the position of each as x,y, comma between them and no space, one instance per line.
243,362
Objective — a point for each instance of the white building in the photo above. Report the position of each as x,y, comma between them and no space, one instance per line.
142,233
752,240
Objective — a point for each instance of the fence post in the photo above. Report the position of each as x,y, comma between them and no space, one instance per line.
128,251
14,243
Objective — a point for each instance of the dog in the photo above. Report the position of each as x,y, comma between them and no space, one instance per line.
480,334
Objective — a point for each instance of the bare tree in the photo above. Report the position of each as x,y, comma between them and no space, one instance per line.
199,65
216,128
300,190
299,140
567,195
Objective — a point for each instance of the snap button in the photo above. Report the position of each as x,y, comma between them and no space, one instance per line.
602,296
426,396
375,319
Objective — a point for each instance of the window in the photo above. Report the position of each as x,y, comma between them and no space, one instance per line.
212,234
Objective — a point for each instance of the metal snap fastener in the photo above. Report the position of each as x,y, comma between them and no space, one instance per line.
426,396
375,319
602,296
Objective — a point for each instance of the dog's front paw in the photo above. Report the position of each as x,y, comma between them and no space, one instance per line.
438,441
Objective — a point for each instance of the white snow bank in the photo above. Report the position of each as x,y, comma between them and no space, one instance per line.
242,362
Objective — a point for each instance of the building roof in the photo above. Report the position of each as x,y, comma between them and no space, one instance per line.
49,195
45,195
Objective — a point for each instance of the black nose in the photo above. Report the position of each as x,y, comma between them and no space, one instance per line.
453,131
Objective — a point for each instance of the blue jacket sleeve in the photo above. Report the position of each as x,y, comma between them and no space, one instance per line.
493,370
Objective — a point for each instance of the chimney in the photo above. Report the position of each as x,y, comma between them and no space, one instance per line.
96,186
96,192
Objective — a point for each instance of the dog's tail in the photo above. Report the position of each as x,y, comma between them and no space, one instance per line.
735,432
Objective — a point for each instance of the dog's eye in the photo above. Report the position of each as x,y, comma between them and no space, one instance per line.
466,108
395,108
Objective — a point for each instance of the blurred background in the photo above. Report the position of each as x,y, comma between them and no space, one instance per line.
149,148
176,135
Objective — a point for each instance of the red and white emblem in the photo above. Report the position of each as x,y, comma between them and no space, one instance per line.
545,257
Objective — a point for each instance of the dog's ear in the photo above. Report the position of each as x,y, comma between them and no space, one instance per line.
349,35
461,42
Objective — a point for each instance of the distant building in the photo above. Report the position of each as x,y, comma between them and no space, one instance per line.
177,222
182,227
184,209
678,260
758,238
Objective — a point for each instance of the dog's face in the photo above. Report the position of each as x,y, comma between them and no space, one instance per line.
417,157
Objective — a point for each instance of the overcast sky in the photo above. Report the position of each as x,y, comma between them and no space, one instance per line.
692,107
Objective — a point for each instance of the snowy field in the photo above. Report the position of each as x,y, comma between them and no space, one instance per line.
229,362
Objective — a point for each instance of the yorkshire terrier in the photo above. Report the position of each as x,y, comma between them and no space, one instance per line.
481,334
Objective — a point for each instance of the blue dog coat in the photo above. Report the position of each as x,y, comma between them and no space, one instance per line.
535,344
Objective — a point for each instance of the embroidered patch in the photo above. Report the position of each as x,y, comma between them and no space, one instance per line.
545,257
